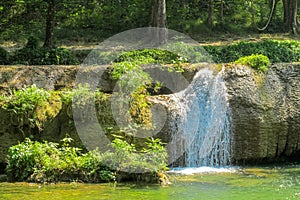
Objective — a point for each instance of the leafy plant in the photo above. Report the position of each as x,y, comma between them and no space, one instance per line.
40,162
132,91
150,56
32,42
256,61
3,56
189,53
275,50
29,104
51,162
126,158
81,95
33,54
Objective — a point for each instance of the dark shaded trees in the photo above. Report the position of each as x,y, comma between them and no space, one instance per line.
50,24
210,19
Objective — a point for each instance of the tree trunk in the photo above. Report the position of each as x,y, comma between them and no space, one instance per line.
159,20
222,12
159,14
252,14
290,15
210,19
50,23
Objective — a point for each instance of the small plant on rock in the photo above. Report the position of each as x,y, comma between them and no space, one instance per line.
256,61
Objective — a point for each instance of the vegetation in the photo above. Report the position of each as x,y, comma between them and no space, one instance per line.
150,56
277,51
41,26
33,54
256,61
125,158
3,56
51,162
30,105
94,20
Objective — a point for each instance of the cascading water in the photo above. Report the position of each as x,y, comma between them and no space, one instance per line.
202,123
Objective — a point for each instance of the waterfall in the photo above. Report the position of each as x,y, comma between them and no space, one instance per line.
201,125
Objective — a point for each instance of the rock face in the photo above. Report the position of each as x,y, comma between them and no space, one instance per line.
57,77
265,113
13,130
265,107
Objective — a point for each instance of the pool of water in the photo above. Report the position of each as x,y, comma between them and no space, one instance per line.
274,183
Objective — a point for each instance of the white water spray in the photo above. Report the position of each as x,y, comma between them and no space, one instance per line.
202,125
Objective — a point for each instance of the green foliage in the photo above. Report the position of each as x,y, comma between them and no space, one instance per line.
28,104
276,50
31,106
50,162
3,56
32,42
126,158
132,85
81,55
33,54
43,56
189,53
94,20
150,56
80,96
256,61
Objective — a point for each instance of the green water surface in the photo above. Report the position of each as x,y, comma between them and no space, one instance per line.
250,183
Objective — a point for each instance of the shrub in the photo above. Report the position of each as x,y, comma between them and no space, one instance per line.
149,56
133,84
43,56
40,162
126,158
190,53
275,50
32,54
59,56
3,56
81,55
32,43
30,105
51,162
256,61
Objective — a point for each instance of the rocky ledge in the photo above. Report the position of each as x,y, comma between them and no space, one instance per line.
265,107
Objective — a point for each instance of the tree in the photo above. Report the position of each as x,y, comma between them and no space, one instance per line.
159,20
210,19
50,23
290,15
222,12
159,14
